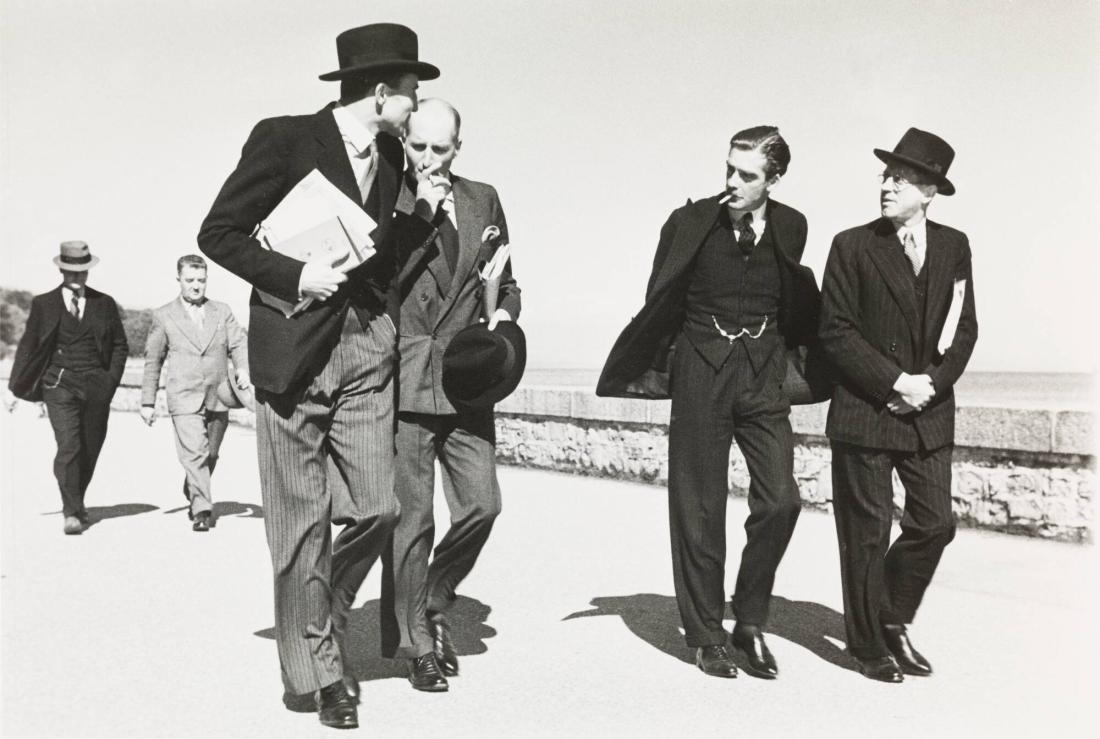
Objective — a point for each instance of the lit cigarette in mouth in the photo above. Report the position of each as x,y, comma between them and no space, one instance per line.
725,198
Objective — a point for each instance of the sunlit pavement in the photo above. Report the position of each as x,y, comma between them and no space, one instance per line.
567,626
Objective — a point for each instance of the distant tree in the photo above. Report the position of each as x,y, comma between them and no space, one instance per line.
13,320
137,324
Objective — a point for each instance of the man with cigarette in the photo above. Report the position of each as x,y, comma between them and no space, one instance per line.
442,294
324,377
726,299
898,323
196,336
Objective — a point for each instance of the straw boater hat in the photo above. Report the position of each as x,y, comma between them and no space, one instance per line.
379,47
75,257
925,152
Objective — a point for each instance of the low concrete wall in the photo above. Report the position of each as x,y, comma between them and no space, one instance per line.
1023,471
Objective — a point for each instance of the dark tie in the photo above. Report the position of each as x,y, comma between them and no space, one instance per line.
74,306
747,238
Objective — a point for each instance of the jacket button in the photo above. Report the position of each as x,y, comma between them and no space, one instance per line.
893,346
423,297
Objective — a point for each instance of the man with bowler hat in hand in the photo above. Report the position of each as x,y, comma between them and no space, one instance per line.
72,356
324,377
442,294
727,301
898,324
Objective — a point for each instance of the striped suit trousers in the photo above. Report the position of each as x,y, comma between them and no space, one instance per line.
346,415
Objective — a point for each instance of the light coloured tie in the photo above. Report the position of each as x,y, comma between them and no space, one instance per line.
911,252
196,314
367,180
74,306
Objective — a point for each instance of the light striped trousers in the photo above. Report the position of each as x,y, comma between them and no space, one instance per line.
346,413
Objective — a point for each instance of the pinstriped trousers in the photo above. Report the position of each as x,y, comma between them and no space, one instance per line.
345,414
883,583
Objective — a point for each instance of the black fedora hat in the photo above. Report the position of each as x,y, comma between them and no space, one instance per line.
926,152
379,47
483,367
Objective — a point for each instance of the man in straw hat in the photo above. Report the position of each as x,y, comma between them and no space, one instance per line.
197,337
324,378
72,356
898,324
442,294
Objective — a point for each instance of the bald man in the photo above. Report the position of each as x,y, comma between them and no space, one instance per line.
440,295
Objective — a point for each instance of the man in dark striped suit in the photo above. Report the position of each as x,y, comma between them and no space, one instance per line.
898,324
324,378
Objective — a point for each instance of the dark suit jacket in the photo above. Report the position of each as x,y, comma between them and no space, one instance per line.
871,332
638,365
285,352
39,340
436,304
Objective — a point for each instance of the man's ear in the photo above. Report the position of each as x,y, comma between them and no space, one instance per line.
773,182
458,145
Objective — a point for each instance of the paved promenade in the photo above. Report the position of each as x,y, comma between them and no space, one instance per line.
567,627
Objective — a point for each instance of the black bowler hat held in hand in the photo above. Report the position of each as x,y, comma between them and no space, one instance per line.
379,47
483,367
925,152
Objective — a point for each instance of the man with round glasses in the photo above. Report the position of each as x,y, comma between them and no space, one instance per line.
899,326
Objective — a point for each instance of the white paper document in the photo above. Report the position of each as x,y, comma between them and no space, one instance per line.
951,323
495,266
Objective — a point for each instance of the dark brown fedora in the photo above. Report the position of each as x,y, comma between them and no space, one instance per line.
483,367
926,152
379,47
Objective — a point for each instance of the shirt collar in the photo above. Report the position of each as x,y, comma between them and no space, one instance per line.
68,292
917,229
188,305
352,131
757,216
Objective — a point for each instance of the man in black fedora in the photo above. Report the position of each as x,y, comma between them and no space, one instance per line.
442,294
72,356
898,324
324,378
726,300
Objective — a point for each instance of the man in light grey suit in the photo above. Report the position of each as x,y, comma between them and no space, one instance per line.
197,336
441,295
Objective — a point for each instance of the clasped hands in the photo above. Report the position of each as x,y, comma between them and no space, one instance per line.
911,393
320,279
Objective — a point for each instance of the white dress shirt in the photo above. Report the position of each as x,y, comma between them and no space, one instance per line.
360,148
920,237
196,313
67,295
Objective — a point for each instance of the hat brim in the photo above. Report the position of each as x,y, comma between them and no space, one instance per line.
423,70
513,335
70,267
943,184
233,397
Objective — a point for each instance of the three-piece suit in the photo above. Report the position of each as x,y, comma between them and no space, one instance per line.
879,320
441,294
324,384
74,364
722,389
198,358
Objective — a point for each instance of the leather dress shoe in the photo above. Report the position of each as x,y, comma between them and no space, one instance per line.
72,526
425,674
760,662
444,648
300,703
202,522
909,659
715,660
352,686
884,669
336,708
84,518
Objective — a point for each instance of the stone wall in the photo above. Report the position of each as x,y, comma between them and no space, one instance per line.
1018,470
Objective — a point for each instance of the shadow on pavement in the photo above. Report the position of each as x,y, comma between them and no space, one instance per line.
655,620
228,508
469,631
102,513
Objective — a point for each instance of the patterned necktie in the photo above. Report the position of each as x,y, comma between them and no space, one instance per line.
747,238
74,306
911,252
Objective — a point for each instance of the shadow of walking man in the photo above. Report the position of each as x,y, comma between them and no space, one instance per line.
102,513
364,660
655,620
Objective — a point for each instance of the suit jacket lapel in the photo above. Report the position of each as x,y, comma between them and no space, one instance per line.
896,272
689,237
184,323
940,279
209,326
470,216
332,157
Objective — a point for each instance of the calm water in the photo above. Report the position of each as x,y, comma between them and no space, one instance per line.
1050,390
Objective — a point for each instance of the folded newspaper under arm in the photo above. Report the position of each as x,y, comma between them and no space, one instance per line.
951,323
315,221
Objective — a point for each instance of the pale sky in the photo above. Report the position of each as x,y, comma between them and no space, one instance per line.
121,119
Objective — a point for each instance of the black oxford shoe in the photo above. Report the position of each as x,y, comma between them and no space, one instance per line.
202,522
352,686
883,669
715,660
760,662
909,659
300,703
425,674
335,707
442,645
